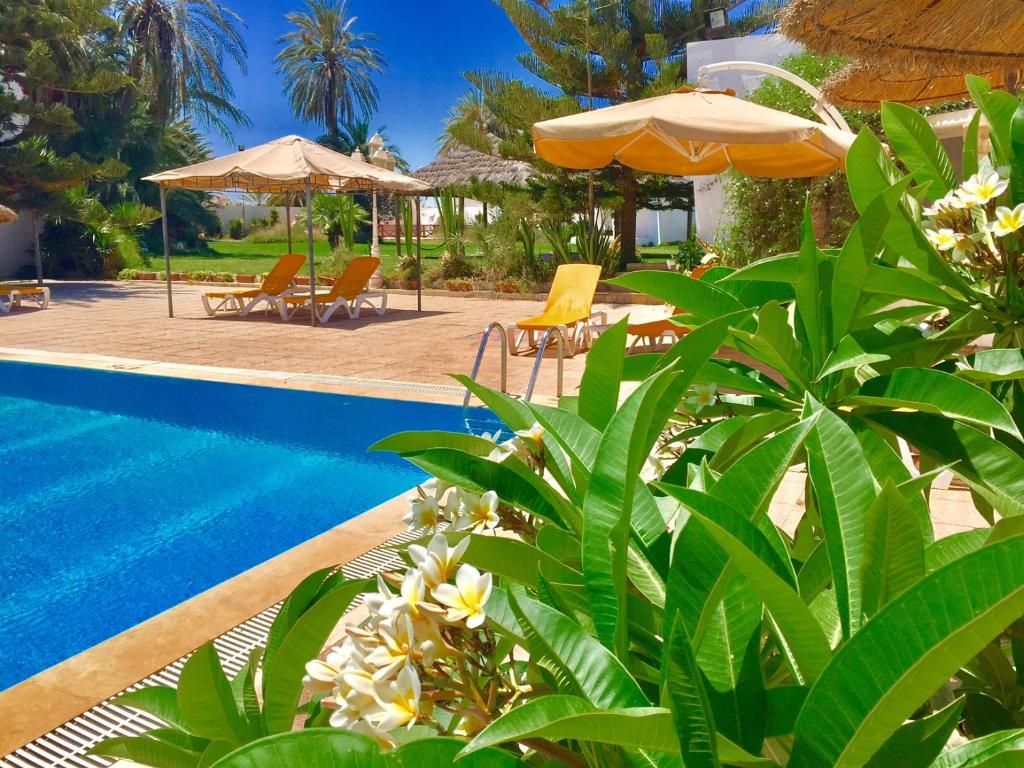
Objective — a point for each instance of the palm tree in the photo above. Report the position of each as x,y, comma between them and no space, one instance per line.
177,50
328,67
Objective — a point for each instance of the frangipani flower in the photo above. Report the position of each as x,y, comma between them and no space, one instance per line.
410,599
704,396
399,701
396,646
983,187
1007,221
477,512
532,437
946,239
437,560
322,676
424,512
467,597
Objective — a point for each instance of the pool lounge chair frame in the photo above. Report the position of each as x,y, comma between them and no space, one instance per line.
348,293
568,307
278,283
11,296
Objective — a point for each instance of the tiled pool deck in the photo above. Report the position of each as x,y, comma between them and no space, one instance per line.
404,354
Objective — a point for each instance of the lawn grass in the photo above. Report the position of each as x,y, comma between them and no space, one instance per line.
243,258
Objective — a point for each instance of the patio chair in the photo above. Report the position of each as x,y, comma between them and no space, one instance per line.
276,284
348,292
11,296
568,306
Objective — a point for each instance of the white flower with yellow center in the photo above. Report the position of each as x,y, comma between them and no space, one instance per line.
477,512
437,560
467,597
983,187
424,512
395,649
399,701
375,601
704,396
322,676
944,239
1007,221
410,598
532,437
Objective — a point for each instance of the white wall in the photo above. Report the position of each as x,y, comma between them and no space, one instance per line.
15,245
709,191
658,227
247,213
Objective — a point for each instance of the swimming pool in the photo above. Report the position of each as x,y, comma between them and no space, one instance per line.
124,494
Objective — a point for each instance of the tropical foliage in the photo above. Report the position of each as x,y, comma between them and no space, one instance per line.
328,66
608,588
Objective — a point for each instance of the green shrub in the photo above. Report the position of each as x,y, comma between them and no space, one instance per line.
236,229
128,274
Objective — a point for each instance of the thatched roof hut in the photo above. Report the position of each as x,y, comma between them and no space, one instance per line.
866,83
462,165
7,215
923,33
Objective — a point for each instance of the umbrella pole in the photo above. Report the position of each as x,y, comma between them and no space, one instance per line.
419,259
312,267
37,253
167,249
288,223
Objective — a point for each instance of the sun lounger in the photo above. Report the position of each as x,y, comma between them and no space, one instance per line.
657,331
568,306
348,292
12,295
277,283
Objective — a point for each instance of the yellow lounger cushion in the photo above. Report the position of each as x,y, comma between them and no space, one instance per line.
250,294
570,298
25,290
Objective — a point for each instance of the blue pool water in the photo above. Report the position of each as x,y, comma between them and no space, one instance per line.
122,494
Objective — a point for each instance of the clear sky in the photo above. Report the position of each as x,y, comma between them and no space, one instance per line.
426,44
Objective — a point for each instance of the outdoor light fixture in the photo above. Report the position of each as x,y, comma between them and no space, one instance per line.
716,22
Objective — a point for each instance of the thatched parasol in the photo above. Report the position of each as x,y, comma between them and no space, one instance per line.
7,215
867,83
956,34
462,165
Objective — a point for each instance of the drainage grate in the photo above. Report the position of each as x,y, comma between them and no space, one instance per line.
386,385
67,745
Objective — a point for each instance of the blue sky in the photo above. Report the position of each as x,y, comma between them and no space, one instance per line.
427,45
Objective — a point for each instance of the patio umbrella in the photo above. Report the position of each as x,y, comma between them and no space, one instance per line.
289,164
7,215
694,132
867,83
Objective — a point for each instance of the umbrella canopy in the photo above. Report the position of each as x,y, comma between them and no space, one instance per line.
7,215
693,133
285,165
925,33
866,84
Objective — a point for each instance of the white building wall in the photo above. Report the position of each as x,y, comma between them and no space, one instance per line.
709,191
246,213
15,245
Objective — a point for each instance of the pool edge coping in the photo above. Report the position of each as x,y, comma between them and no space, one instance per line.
48,699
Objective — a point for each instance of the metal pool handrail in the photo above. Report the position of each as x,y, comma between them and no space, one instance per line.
480,355
559,332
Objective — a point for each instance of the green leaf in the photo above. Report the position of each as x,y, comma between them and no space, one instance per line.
205,700
304,641
158,700
309,748
869,171
146,751
994,365
987,465
918,148
893,550
691,710
946,550
843,493
1002,749
216,751
556,718
848,354
512,412
998,107
511,558
969,163
912,647
411,443
608,505
439,752
934,391
918,742
704,300
294,606
808,291
599,387
578,661
774,344
772,578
